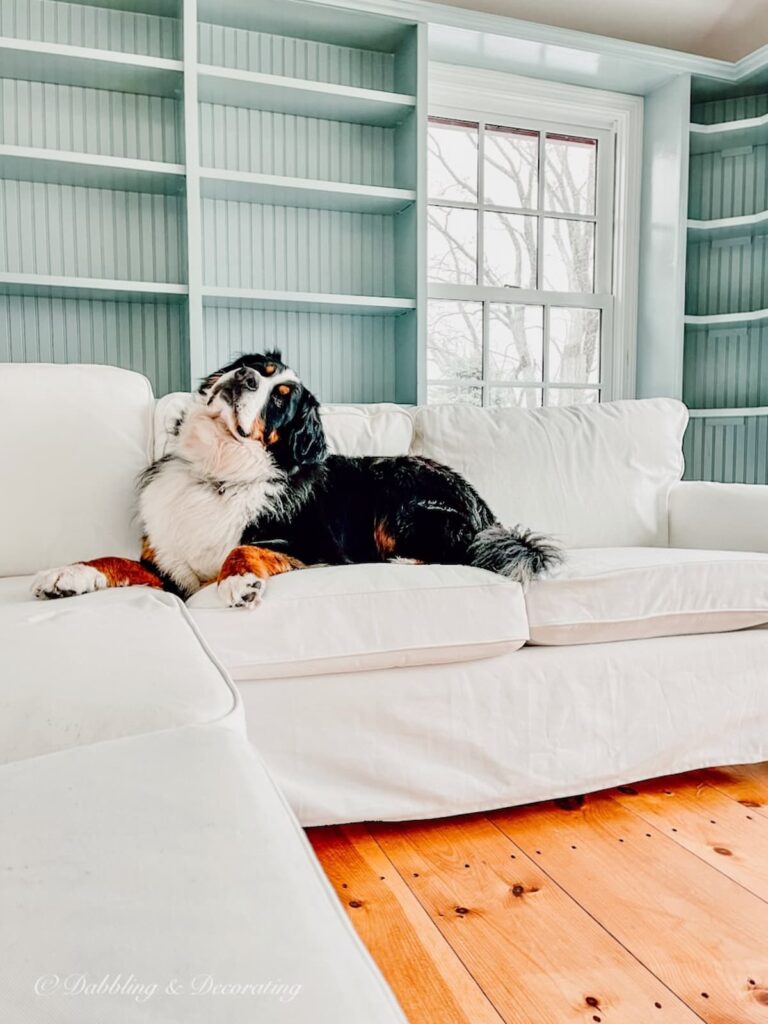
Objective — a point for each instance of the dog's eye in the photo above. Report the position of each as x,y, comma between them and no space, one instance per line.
284,389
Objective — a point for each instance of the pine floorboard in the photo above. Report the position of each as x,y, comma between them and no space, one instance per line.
639,904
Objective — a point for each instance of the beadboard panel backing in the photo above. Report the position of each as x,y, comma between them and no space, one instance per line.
726,369
69,224
249,245
149,337
91,232
295,58
240,139
727,450
728,276
97,121
103,28
341,358
732,109
731,183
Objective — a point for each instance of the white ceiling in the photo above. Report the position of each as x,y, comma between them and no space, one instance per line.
728,29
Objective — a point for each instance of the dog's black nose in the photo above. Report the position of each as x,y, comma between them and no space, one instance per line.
247,378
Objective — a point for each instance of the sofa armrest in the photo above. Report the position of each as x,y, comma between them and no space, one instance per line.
725,517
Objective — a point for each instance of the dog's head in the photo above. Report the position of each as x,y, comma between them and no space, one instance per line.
261,401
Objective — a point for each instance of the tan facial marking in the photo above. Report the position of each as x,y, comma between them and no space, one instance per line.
269,369
283,389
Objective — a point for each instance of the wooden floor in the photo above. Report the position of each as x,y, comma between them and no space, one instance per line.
640,904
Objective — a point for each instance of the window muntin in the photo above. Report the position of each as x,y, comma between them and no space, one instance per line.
519,253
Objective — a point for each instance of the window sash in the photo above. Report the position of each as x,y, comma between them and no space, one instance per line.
600,298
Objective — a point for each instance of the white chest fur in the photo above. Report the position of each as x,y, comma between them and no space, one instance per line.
193,515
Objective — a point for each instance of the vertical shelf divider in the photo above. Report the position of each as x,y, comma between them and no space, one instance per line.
196,341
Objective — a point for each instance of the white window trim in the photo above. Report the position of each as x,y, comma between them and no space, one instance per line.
479,94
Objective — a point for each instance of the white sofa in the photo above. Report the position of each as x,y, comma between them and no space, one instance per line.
147,837
150,870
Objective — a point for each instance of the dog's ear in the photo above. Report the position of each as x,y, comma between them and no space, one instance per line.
306,438
209,381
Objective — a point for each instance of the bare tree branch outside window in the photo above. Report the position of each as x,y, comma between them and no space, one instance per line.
532,190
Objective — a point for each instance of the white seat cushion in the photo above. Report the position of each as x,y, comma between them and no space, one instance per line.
85,669
170,860
73,439
590,475
356,617
629,593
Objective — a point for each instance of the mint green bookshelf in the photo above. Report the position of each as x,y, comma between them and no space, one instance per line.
136,134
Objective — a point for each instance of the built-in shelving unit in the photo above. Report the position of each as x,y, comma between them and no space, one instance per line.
729,227
277,190
184,180
31,61
59,167
280,95
725,135
725,365
309,302
89,288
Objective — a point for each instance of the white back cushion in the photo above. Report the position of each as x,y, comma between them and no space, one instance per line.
368,429
594,476
351,429
72,441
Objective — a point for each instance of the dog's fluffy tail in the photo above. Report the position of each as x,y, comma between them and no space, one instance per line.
516,553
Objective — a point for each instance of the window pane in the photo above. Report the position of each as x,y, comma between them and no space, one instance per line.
510,250
452,244
572,396
452,159
569,255
569,174
523,398
441,394
574,345
511,164
515,342
455,340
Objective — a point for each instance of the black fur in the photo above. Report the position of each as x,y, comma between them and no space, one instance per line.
341,510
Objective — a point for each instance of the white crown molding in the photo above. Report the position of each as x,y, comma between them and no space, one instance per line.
670,61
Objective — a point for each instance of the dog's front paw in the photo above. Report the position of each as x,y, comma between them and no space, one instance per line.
244,591
68,581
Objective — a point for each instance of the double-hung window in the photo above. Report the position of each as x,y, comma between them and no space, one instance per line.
520,243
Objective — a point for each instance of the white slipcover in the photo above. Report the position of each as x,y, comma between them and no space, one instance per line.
356,617
543,722
170,860
72,441
607,594
591,475
727,516
109,664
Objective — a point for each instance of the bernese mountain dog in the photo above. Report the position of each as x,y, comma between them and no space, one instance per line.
250,490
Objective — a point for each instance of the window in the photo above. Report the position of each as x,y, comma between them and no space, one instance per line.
520,226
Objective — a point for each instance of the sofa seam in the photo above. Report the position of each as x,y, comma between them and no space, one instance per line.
652,617
386,651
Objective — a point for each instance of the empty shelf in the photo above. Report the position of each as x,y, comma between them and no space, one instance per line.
298,96
309,302
303,192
